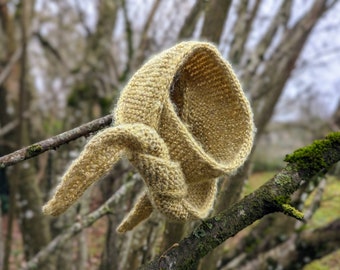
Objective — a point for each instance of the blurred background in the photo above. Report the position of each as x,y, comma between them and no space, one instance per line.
64,62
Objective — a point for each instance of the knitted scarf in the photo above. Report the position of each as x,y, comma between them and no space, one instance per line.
182,121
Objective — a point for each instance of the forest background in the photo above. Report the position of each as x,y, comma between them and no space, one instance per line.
63,64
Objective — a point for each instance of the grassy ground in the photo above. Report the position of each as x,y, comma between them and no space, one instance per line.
328,211
330,205
256,180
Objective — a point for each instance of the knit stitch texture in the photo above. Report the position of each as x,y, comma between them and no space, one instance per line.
182,121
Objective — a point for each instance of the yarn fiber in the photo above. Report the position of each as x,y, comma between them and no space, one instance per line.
182,121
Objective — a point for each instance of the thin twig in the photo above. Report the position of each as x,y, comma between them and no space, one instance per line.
315,202
144,36
54,142
12,125
129,40
77,227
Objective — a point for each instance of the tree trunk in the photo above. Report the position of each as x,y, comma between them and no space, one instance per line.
34,226
215,17
241,30
190,23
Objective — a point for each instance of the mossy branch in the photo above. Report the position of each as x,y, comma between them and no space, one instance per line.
54,142
272,197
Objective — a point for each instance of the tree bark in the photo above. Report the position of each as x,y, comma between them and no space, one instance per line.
191,20
257,56
214,20
241,30
230,193
34,226
54,142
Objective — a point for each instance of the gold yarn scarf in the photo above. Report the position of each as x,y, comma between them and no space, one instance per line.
182,121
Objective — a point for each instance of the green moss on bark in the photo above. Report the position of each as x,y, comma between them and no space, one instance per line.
292,211
33,149
310,160
283,202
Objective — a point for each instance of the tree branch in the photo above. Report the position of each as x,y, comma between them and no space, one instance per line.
191,20
7,70
129,41
299,249
143,44
215,16
257,56
12,125
242,29
77,227
272,197
54,142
